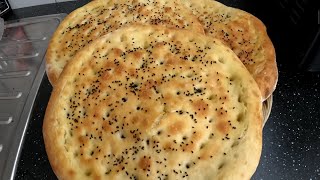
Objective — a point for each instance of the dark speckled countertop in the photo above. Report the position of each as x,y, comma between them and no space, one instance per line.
291,137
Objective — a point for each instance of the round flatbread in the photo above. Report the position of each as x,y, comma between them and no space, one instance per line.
245,34
99,17
151,102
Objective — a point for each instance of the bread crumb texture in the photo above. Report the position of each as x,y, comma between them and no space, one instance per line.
245,34
148,102
100,17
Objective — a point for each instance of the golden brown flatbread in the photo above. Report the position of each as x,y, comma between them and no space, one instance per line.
245,34
99,17
148,102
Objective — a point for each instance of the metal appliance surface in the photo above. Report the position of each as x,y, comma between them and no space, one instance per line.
4,7
22,49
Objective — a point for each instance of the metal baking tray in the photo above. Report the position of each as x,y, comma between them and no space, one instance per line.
22,49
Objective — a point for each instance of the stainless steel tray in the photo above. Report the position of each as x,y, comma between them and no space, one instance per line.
22,66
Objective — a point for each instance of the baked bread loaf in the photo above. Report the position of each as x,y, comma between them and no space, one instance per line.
245,34
99,17
149,102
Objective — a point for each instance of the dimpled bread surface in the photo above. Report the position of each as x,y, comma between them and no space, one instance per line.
150,102
245,34
99,17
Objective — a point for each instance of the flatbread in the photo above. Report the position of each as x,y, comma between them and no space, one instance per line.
148,102
99,17
245,34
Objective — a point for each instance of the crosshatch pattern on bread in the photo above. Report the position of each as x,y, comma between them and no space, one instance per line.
245,34
148,102
99,17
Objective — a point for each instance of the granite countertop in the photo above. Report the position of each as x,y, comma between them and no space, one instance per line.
291,137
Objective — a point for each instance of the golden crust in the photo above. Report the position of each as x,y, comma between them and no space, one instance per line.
245,34
148,102
268,76
99,17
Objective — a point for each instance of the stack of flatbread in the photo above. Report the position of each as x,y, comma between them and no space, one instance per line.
157,89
